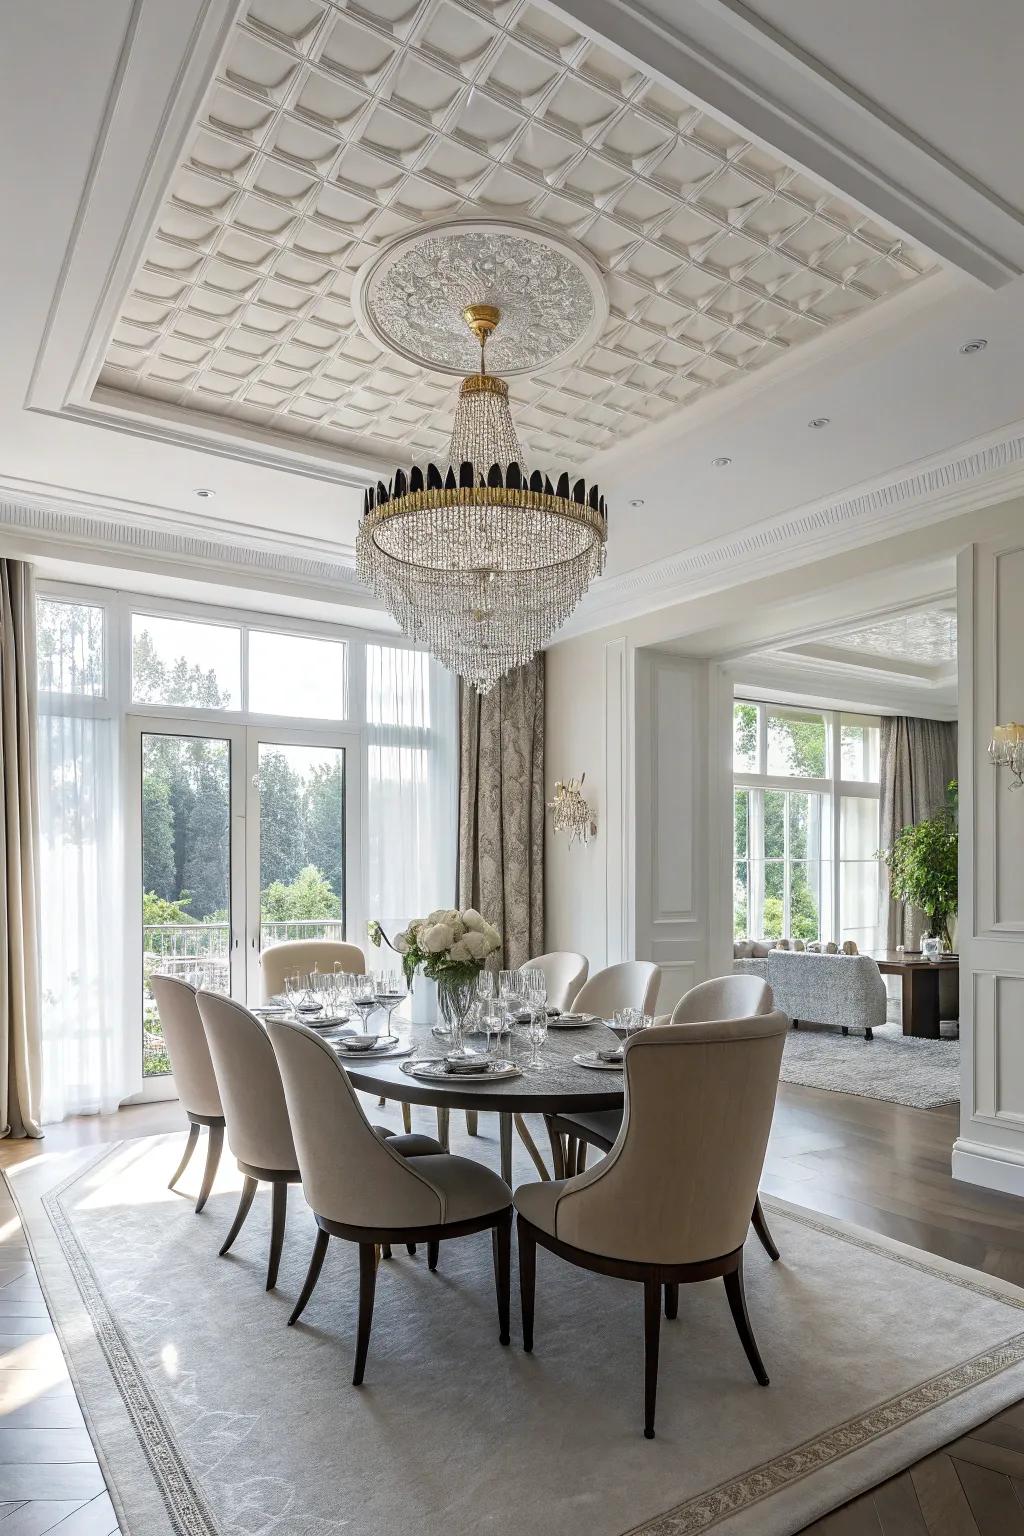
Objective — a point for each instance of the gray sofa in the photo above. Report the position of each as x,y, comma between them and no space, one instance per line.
846,991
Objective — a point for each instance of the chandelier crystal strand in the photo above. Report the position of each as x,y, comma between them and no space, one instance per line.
482,563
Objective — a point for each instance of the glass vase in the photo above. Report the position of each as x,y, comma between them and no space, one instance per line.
454,1000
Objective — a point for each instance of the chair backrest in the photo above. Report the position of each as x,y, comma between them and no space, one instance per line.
255,1112
724,997
185,1039
349,1174
282,960
680,1182
631,984
564,971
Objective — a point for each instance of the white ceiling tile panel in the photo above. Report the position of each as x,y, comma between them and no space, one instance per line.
333,126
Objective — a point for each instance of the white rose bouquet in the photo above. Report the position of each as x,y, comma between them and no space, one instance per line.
452,945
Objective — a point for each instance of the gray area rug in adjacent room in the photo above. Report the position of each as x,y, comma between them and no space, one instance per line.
893,1066
212,1418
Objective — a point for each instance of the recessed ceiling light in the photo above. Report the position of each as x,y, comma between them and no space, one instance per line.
977,345
637,501
819,421
721,462
204,493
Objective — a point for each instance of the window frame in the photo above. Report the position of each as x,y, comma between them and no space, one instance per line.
833,788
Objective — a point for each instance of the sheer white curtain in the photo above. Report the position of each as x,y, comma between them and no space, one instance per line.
81,861
411,785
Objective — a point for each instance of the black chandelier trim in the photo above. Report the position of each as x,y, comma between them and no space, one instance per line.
430,488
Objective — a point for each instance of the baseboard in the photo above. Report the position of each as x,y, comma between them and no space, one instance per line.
991,1167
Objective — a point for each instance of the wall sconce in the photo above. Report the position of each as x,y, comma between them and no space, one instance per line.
570,812
1006,750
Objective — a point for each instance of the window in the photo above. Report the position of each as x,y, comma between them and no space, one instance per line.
805,825
179,661
70,648
296,676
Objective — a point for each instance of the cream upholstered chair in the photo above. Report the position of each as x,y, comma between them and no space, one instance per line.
564,972
258,1127
630,984
194,1077
282,960
723,997
359,1188
671,1202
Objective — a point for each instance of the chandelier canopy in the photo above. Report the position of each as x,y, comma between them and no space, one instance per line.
478,559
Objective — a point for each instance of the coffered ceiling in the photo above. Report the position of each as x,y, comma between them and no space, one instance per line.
331,128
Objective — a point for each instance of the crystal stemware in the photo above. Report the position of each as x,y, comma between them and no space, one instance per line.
390,992
364,997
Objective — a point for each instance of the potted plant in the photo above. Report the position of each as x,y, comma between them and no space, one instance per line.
922,865
450,947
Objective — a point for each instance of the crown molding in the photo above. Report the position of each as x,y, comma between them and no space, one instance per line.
974,475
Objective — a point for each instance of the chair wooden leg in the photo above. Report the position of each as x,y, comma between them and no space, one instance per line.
527,1280
316,1264
472,1122
433,1249
571,1145
738,1308
671,1300
385,1250
557,1147
213,1151
652,1334
501,1247
581,1157
442,1128
381,1102
190,1146
411,1249
278,1217
407,1118
761,1228
249,1187
367,1286
530,1145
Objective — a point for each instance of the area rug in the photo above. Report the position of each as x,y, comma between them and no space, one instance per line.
899,1068
212,1418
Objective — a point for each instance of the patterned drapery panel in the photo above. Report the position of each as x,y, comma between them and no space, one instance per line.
918,760
501,808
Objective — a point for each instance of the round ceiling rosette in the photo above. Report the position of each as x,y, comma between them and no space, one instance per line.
410,297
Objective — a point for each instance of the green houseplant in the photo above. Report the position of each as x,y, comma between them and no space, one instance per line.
922,865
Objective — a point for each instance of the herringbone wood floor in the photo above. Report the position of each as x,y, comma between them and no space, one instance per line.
880,1165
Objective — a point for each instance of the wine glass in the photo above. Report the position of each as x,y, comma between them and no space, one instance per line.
537,1032
296,987
485,986
390,992
364,997
510,992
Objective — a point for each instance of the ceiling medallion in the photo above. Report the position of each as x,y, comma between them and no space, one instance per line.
480,560
410,297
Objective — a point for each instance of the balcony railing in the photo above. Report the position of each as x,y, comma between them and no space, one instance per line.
201,951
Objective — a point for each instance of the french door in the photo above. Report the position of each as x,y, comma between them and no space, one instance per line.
241,837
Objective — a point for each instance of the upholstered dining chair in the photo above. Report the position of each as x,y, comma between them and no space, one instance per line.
281,960
564,972
194,1077
362,1190
630,984
699,1104
258,1128
723,997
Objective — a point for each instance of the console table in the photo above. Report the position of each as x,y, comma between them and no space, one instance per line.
920,988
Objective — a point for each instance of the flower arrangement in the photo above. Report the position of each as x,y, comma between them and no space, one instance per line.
451,945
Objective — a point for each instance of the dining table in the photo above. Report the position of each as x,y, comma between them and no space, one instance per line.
558,1086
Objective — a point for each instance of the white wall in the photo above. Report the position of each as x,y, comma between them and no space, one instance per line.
651,729
990,582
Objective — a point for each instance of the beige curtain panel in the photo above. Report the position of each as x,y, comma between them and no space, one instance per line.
918,760
501,808
20,1039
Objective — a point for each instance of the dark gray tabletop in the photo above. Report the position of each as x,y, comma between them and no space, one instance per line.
558,1085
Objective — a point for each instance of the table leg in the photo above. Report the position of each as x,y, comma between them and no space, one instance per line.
557,1147
921,1002
530,1145
442,1127
505,1128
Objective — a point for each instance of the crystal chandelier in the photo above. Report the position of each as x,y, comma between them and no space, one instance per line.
481,561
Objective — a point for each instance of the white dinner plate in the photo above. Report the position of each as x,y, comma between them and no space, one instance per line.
573,1021
395,1050
434,1072
592,1059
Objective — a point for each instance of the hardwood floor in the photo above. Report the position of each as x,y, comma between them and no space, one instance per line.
881,1165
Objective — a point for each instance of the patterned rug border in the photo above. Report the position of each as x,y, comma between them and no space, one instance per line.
186,1507
190,1514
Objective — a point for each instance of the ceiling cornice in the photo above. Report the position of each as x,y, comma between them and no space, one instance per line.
961,480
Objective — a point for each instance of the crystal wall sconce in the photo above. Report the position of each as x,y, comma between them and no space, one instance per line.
1006,750
570,811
